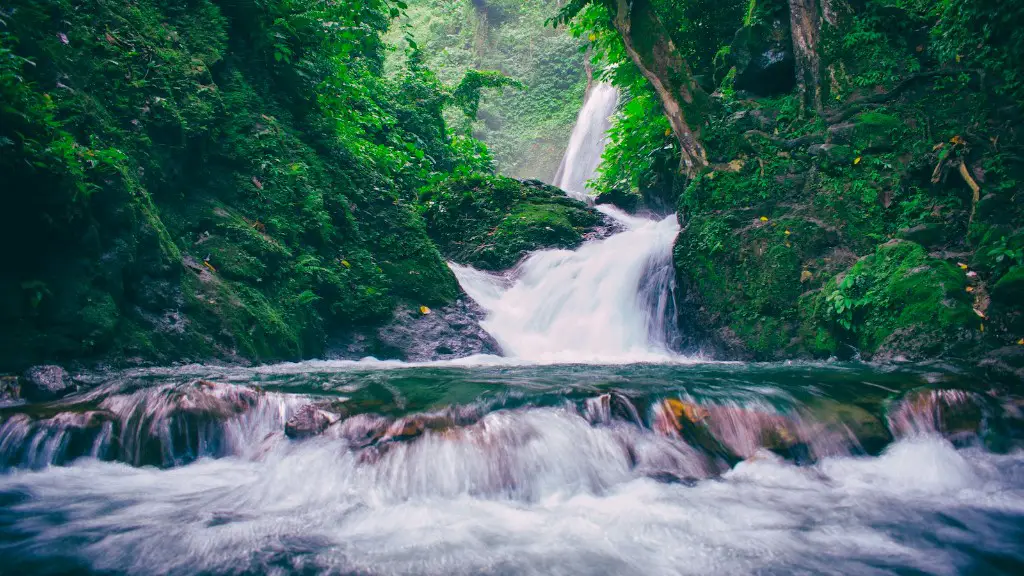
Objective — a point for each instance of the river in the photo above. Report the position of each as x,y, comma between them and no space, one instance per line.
591,447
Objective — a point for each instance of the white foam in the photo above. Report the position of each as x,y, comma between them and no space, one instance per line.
426,509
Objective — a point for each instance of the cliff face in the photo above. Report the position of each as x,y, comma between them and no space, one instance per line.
874,209
197,179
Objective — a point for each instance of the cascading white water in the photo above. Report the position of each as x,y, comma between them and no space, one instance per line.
602,303
583,155
605,302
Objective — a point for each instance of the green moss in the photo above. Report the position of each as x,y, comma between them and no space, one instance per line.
491,222
875,131
1010,288
899,291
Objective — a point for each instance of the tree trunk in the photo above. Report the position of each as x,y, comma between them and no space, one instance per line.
651,49
805,26
807,18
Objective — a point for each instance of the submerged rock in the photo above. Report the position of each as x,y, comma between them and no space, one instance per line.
44,383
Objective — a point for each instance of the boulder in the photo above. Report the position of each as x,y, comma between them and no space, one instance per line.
44,383
310,420
927,235
763,57
1006,363
419,334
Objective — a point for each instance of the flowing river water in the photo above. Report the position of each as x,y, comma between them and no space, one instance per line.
592,447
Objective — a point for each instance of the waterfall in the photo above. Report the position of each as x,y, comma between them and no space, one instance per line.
583,155
605,302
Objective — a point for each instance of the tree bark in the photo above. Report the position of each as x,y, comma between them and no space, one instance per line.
807,20
652,50
805,27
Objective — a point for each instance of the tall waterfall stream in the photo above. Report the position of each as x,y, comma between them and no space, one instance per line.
591,448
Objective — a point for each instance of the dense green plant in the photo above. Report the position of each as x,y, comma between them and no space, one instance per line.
191,178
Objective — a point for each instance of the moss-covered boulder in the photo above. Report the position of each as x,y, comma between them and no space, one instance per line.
897,302
491,222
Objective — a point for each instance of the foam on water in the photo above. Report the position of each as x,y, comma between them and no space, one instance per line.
433,508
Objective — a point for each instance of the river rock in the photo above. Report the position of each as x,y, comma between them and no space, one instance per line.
44,383
310,420
421,335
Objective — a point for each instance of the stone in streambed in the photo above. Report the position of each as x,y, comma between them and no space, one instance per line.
310,420
44,383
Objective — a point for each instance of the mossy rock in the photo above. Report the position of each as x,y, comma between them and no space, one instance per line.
874,131
1009,290
491,222
897,302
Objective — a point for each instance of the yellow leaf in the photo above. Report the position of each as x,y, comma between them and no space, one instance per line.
962,265
788,245
668,131
805,276
958,57
210,266
787,232
856,160
424,310
969,288
592,37
763,218
346,264
1020,342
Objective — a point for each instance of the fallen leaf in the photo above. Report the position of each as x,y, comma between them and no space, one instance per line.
763,218
424,310
1020,342
972,274
979,313
856,160
63,38
969,289
787,232
962,265
805,276
346,264
256,182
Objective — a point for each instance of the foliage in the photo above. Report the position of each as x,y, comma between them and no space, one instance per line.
192,178
525,129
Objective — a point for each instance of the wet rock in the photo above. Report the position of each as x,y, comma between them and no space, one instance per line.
1006,363
174,425
44,383
10,389
414,336
310,420
952,413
